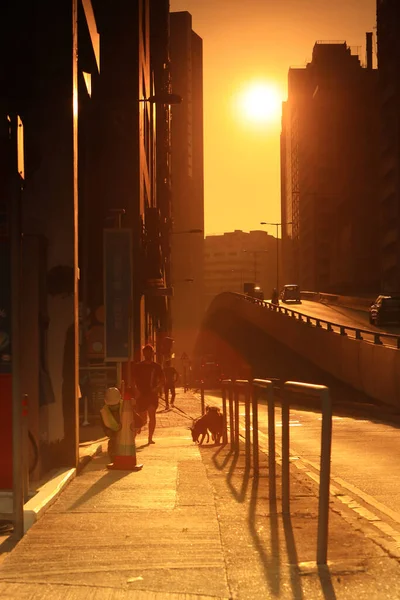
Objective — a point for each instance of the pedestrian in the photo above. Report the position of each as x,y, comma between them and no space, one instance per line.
147,377
171,378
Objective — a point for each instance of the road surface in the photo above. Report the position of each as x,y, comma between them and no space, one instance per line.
365,453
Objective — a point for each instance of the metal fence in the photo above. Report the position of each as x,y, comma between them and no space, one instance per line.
250,391
376,337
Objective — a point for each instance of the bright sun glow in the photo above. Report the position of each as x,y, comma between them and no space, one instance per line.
260,103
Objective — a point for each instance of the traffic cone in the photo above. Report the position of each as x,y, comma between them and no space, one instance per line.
125,458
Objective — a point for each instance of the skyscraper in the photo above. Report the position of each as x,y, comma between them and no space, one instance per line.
388,25
329,173
187,182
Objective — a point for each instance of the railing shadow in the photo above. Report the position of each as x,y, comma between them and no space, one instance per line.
270,562
295,580
326,582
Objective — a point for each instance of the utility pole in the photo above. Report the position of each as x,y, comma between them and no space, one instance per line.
277,225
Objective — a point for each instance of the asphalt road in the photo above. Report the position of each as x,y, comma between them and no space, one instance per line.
364,455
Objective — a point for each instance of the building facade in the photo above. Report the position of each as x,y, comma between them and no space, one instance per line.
65,211
239,257
329,173
388,23
187,233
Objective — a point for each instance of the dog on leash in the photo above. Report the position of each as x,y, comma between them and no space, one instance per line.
200,428
216,423
212,421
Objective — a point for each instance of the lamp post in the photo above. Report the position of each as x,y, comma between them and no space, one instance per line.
277,225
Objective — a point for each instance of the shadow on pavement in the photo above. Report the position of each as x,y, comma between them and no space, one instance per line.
104,482
326,582
271,562
295,580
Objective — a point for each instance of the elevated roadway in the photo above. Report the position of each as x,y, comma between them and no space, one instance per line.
312,339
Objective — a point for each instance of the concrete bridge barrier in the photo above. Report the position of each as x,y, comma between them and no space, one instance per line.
370,368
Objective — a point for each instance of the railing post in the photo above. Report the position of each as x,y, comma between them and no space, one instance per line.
343,330
236,418
247,425
202,397
322,393
271,443
325,473
285,453
231,420
254,415
225,432
377,339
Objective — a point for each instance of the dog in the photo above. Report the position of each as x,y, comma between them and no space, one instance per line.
215,423
200,428
212,421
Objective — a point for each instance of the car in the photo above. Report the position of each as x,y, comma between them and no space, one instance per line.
290,293
210,371
385,309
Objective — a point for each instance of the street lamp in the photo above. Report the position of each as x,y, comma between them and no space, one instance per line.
277,246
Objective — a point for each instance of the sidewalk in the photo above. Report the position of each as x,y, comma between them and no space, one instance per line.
191,525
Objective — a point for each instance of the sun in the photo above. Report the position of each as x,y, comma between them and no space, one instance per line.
259,102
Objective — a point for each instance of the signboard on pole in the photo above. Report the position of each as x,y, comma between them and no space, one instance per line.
117,244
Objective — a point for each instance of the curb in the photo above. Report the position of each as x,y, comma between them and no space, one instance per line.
50,491
46,496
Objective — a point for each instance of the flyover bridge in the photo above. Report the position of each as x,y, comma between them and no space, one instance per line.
283,342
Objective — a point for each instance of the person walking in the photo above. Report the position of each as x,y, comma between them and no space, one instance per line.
147,378
171,378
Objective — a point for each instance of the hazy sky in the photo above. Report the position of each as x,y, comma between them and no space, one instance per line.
244,41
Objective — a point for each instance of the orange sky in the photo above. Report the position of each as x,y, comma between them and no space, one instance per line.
245,40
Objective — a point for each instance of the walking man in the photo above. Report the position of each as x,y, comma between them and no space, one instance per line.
171,378
147,377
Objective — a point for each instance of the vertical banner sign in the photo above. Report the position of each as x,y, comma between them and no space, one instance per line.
5,297
117,294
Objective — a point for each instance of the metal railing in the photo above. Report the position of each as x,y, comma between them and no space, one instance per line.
250,391
291,388
386,339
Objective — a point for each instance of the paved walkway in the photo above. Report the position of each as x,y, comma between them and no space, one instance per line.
193,524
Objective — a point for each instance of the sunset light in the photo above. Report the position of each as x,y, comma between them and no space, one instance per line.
259,102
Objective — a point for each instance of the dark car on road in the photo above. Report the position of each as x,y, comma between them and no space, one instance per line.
291,293
385,309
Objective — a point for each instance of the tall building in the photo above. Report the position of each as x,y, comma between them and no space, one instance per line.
388,24
116,182
239,257
187,237
329,173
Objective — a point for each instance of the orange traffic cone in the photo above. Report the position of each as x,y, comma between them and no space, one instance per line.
125,457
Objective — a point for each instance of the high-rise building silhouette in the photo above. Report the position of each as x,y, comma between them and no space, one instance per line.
119,161
388,26
187,182
329,170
